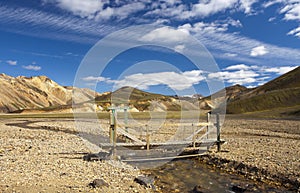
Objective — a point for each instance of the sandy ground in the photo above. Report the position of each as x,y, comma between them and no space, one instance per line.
39,160
271,146
35,158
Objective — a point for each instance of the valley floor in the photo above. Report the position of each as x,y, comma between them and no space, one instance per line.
265,149
39,160
34,158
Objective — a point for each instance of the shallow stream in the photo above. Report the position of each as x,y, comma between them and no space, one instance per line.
184,175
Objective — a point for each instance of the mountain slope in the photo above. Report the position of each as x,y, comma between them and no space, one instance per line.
36,92
283,91
144,101
226,94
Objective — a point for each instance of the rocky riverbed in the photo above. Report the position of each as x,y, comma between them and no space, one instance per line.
44,155
264,150
40,160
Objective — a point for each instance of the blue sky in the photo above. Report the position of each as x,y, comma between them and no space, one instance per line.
251,41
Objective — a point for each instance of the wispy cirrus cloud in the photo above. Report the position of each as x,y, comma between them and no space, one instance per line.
49,25
32,67
94,79
295,32
236,47
290,9
87,30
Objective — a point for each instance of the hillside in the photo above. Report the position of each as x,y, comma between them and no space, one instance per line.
283,91
41,94
230,93
36,93
143,101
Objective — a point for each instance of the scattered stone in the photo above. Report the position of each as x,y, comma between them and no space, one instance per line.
238,189
145,181
96,157
98,183
197,189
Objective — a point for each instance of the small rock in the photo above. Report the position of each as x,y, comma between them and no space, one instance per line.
98,183
145,181
197,189
238,189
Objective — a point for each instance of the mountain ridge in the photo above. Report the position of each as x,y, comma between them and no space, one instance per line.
42,93
18,93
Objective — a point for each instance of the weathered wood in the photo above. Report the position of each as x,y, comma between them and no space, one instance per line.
128,135
218,133
167,144
148,138
195,133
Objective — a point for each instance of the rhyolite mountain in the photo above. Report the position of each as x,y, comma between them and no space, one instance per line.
18,93
42,93
282,92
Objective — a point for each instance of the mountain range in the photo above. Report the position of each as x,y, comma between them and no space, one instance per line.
41,94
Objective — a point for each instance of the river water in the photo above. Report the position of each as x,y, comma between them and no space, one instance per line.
184,175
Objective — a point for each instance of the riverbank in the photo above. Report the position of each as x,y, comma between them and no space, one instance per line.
39,155
265,150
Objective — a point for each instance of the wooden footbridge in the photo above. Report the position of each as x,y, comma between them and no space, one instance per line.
132,147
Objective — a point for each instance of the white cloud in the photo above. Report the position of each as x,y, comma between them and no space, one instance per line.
166,34
99,9
176,81
238,67
12,62
94,79
280,70
32,67
86,8
271,19
246,5
295,32
207,8
249,76
231,55
179,48
259,51
236,77
291,10
220,43
120,12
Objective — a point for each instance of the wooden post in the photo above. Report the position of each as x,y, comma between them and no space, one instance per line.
111,128
147,138
115,130
194,137
126,122
218,132
207,128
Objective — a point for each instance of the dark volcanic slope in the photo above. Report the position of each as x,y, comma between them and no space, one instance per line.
283,91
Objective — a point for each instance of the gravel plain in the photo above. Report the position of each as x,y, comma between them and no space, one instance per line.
43,155
39,160
262,149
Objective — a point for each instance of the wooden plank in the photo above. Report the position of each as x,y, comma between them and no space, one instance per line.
161,144
132,137
195,133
